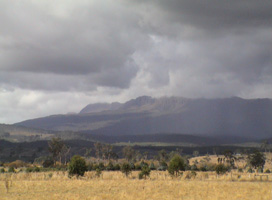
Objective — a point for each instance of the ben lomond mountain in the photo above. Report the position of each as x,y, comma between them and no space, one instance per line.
234,116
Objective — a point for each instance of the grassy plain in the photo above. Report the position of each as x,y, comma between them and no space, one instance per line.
114,186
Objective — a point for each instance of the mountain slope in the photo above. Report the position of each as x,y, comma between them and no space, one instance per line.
145,115
99,107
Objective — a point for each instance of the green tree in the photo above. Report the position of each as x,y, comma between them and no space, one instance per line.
220,169
98,150
229,157
152,166
256,160
126,169
77,166
163,156
107,150
176,165
55,147
144,172
128,153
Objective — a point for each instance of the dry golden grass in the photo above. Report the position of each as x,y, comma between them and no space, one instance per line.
113,185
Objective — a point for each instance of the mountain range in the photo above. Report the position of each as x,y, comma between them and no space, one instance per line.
228,117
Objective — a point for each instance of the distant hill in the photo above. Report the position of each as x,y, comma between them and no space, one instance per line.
246,118
99,107
20,133
169,138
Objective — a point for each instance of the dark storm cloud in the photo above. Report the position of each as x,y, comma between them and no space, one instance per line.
92,51
212,15
92,40
229,39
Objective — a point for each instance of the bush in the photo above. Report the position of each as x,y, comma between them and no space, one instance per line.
144,172
260,170
117,167
132,166
126,169
176,165
203,168
77,166
90,167
95,166
2,170
137,167
152,166
143,164
11,170
194,167
221,169
49,162
110,167
98,172
36,169
250,170
163,166
101,166
190,175
29,169
267,171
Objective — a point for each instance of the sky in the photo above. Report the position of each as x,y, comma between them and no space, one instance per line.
57,56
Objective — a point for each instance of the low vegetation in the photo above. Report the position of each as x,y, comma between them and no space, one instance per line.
167,175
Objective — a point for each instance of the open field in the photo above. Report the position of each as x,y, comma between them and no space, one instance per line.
113,185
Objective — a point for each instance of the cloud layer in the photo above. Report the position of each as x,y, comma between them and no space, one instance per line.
57,56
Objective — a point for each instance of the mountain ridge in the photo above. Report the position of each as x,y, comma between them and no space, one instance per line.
145,115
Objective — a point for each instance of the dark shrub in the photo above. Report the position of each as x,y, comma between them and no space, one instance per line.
126,169
11,170
29,169
250,170
260,170
98,172
176,165
137,167
203,168
117,167
110,167
152,166
132,166
144,172
143,164
77,166
36,169
101,166
49,162
194,168
163,166
220,169
90,167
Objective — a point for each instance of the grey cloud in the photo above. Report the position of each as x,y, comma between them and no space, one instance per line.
93,40
124,48
210,15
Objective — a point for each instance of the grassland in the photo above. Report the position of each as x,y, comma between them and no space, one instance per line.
114,185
